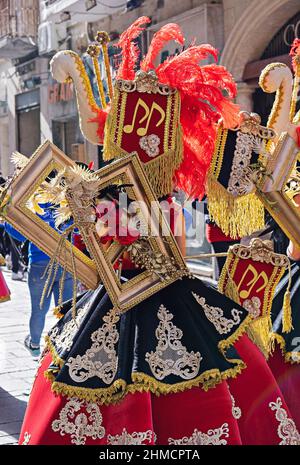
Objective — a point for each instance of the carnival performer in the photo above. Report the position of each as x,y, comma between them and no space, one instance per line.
146,376
285,358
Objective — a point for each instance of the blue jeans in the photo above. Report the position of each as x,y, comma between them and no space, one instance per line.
36,285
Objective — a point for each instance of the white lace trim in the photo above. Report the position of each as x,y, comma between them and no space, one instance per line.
170,356
216,316
132,439
100,360
286,430
79,425
64,340
213,437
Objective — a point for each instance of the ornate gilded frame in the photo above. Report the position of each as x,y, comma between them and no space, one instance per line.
125,295
46,158
272,190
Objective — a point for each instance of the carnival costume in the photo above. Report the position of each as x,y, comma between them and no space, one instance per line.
146,376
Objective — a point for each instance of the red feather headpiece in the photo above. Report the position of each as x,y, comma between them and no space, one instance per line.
206,94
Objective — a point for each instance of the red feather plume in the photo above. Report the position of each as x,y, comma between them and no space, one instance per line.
203,103
205,92
295,53
130,50
100,119
160,39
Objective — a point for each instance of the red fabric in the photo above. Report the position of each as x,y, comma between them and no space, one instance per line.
127,264
4,290
215,234
252,279
288,378
174,415
298,135
78,242
253,391
143,117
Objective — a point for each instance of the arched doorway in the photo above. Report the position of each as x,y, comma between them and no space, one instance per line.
276,50
249,40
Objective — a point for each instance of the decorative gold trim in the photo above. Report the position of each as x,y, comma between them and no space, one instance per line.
289,357
236,216
144,383
259,251
5,298
145,82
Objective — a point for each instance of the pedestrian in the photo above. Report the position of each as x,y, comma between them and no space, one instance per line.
37,264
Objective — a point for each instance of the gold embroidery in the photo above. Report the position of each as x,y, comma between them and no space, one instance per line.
171,357
216,316
79,425
64,340
287,430
100,360
26,439
213,437
132,439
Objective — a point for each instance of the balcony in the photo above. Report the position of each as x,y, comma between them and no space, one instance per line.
79,10
18,27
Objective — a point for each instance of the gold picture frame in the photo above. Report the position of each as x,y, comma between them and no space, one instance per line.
125,295
273,191
46,158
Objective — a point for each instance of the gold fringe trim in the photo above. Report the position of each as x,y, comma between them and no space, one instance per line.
236,216
160,171
260,333
144,383
289,357
56,312
5,298
225,344
55,357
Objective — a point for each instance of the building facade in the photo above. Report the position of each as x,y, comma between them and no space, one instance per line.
248,33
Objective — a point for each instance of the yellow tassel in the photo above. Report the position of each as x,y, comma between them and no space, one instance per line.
287,324
260,332
236,216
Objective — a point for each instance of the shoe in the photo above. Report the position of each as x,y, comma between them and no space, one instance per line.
17,276
35,351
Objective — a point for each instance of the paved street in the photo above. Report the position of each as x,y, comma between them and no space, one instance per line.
17,368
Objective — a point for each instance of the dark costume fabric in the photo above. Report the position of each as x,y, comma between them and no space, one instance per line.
146,376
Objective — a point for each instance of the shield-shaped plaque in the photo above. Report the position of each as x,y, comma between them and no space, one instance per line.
145,118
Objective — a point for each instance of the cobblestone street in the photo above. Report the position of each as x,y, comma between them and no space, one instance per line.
17,368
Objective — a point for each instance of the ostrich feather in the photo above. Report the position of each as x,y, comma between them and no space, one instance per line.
100,119
19,160
167,33
206,93
129,49
295,53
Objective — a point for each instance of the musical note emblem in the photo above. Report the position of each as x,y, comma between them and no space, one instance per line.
244,293
148,112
